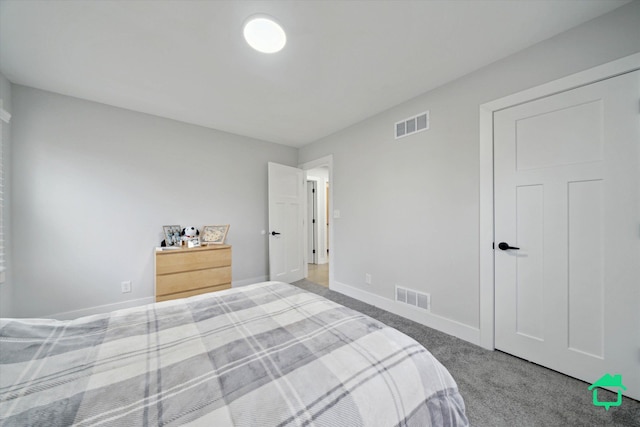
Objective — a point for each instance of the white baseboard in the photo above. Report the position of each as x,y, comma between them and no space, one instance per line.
69,315
245,282
448,326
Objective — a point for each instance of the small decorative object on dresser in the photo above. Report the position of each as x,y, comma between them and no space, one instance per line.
214,234
190,236
172,235
185,272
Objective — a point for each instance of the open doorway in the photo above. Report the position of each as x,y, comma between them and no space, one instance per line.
318,250
318,225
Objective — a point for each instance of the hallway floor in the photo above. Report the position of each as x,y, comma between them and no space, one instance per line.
319,273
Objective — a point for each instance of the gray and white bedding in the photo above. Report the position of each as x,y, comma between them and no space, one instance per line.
268,354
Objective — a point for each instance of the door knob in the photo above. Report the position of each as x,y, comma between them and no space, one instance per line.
504,246
274,233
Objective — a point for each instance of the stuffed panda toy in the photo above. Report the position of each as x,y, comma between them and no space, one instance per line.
190,233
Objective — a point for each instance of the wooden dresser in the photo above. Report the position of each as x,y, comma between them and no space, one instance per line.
185,272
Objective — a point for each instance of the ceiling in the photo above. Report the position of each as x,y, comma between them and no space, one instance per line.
344,60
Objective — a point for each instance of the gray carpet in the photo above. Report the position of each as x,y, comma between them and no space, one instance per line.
499,389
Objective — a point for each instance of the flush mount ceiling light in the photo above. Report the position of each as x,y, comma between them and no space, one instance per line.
264,34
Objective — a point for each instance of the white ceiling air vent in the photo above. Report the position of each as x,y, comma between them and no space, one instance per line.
412,125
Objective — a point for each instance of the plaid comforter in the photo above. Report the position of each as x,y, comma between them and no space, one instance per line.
268,354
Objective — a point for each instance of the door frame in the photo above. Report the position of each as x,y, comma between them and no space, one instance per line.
312,223
487,232
326,161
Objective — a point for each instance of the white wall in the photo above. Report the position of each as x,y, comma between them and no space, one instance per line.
93,185
6,288
410,208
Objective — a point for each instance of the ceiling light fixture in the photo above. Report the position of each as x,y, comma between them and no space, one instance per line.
264,34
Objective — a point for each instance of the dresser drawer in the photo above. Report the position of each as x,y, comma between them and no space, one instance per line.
194,292
174,262
190,280
185,272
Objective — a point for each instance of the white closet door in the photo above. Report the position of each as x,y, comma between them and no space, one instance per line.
567,194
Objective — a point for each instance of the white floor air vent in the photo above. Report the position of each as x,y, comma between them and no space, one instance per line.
412,125
414,298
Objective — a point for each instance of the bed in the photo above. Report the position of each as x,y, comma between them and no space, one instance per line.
269,354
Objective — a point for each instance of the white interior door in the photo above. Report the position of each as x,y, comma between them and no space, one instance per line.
286,223
312,229
567,194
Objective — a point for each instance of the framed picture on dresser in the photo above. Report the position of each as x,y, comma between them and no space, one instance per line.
172,235
214,234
